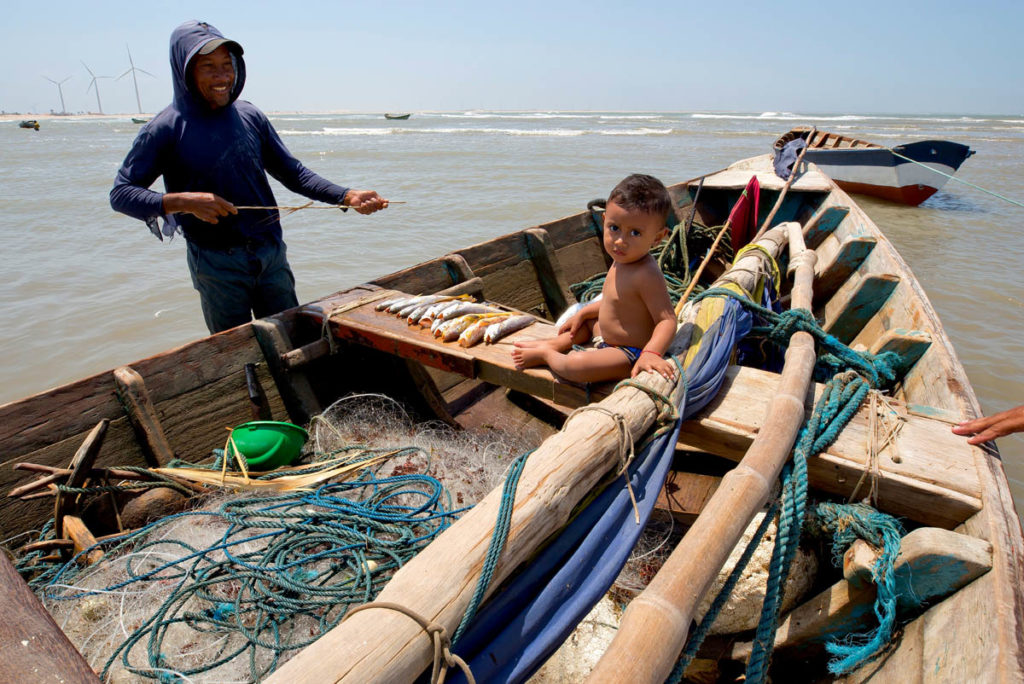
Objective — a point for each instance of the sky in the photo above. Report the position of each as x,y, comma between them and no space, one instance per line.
857,57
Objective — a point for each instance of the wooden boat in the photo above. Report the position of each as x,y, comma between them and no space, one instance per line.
176,404
871,169
397,117
29,123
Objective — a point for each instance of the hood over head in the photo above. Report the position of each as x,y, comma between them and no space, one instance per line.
187,41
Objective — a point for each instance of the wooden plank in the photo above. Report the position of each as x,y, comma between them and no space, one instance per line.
131,390
81,464
831,275
931,565
856,302
35,649
32,423
685,494
296,391
909,344
935,481
76,530
549,271
490,363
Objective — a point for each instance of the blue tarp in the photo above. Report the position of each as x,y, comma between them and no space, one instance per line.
514,633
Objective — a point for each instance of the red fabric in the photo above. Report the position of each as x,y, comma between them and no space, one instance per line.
743,217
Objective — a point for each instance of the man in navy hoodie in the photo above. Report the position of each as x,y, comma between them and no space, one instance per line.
214,152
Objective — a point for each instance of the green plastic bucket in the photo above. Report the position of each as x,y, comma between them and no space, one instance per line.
268,444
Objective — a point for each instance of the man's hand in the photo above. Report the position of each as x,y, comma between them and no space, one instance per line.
992,427
364,201
205,206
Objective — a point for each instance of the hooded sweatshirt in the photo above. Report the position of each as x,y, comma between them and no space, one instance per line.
227,151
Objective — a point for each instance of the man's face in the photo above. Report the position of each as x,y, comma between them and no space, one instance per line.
214,76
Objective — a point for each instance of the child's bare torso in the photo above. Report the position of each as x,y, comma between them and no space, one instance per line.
624,318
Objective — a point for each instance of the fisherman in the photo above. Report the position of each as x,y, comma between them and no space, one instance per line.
214,152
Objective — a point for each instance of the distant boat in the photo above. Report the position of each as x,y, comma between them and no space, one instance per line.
397,116
139,120
29,123
871,169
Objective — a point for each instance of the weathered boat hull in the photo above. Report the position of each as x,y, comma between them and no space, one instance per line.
869,169
865,295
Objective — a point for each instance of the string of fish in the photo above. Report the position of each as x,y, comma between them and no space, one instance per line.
284,571
460,317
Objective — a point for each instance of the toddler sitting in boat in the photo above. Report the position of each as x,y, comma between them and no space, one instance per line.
633,322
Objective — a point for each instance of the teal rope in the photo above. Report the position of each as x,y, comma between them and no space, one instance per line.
698,636
497,545
958,180
880,370
313,565
847,523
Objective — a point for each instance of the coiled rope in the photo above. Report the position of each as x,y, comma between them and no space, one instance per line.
284,571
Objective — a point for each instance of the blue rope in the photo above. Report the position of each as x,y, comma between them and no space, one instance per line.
498,539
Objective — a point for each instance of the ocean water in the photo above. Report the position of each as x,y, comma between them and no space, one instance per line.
85,289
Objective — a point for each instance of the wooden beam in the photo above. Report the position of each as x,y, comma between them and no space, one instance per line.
35,649
685,495
81,464
934,482
849,310
932,564
909,344
296,391
76,530
852,252
549,272
131,390
655,625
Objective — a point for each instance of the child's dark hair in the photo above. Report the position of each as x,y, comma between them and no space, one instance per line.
640,192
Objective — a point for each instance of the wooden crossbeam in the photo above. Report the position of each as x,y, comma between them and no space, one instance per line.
856,302
935,481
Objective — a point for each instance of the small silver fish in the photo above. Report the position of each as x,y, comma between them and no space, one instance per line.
506,327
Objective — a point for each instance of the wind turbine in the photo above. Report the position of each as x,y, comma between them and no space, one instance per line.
63,109
93,84
132,71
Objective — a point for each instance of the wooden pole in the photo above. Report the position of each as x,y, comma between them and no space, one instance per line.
655,625
785,188
700,269
380,645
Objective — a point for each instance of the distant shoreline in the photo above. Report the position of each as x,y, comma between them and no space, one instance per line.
47,117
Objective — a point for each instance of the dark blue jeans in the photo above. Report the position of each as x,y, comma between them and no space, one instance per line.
241,282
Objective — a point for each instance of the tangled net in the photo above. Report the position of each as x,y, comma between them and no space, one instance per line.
230,590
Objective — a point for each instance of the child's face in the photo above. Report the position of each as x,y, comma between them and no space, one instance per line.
629,234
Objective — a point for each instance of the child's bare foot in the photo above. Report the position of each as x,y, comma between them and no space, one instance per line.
528,357
531,343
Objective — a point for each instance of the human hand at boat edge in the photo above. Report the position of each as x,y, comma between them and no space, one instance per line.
205,206
364,201
992,427
651,361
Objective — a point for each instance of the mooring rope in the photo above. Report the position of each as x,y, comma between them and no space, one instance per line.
958,180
